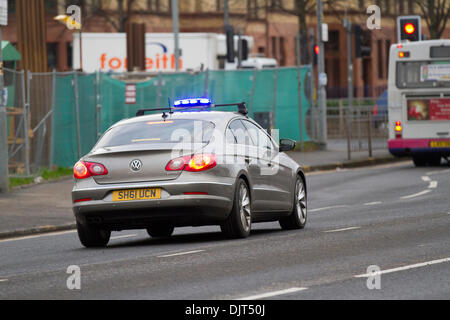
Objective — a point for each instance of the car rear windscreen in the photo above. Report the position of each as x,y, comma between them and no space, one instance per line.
158,131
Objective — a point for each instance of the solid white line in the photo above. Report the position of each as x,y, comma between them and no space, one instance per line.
343,229
412,266
179,253
48,234
325,208
122,237
372,203
438,171
432,185
426,178
272,294
416,194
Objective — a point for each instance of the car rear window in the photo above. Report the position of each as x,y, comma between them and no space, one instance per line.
158,131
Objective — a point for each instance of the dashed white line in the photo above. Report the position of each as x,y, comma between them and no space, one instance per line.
3,280
326,208
416,194
180,253
426,178
432,185
412,266
372,203
437,172
124,236
343,229
273,294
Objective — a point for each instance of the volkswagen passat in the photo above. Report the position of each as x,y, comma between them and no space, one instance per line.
187,166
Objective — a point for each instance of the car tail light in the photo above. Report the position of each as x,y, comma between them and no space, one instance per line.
398,129
177,163
83,169
200,162
197,162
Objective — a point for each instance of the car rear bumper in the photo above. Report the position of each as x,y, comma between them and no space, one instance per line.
212,206
405,147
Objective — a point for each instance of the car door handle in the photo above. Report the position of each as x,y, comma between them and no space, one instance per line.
247,160
270,164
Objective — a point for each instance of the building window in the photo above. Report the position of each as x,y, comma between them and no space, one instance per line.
261,50
158,6
333,41
219,5
380,59
388,47
282,52
274,48
252,9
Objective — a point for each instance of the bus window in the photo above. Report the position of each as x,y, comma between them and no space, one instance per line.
423,74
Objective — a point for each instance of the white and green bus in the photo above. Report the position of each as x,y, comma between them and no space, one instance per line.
419,101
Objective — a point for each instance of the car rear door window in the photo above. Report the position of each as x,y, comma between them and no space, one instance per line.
240,133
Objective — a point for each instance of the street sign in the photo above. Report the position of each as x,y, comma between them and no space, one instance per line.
3,12
130,93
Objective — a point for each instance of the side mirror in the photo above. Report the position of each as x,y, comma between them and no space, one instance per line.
287,144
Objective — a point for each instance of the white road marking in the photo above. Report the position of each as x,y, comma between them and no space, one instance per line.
180,253
124,236
343,229
432,185
272,294
437,172
412,266
372,203
416,194
48,234
426,178
326,208
3,280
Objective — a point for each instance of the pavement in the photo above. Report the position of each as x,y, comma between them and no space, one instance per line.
394,218
47,207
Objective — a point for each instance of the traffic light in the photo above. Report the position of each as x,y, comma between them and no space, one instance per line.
315,53
362,42
230,42
409,28
244,44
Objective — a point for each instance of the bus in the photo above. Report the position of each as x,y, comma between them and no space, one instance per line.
419,101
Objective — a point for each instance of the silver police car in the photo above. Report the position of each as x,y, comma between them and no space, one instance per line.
187,165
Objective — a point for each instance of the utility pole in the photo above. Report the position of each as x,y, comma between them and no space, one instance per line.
4,181
322,95
348,26
175,22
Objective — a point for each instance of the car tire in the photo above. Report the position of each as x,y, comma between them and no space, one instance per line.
419,161
160,231
239,222
92,236
297,219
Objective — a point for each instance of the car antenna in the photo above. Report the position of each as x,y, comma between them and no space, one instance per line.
164,115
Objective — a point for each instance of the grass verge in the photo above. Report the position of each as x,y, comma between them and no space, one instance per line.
46,174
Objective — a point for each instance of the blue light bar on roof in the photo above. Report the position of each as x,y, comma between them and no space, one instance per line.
194,102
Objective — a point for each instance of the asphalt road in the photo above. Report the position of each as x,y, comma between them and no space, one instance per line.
396,217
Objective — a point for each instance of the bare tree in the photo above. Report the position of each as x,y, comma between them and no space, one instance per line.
436,14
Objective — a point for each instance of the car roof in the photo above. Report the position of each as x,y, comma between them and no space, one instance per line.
217,117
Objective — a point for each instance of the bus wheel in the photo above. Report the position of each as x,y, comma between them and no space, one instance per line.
419,161
434,161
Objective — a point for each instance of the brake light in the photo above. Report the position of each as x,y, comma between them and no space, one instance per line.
177,163
197,162
200,162
83,170
398,129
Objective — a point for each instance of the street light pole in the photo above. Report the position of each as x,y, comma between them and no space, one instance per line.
322,95
175,22
81,51
225,13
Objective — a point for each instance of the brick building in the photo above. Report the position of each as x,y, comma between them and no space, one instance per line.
273,29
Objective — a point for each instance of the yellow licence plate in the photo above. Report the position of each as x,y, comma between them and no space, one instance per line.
440,144
137,194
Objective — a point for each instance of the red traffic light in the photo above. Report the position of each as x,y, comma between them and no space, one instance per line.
409,28
316,49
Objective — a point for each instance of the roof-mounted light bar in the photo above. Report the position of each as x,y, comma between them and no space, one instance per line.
194,102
